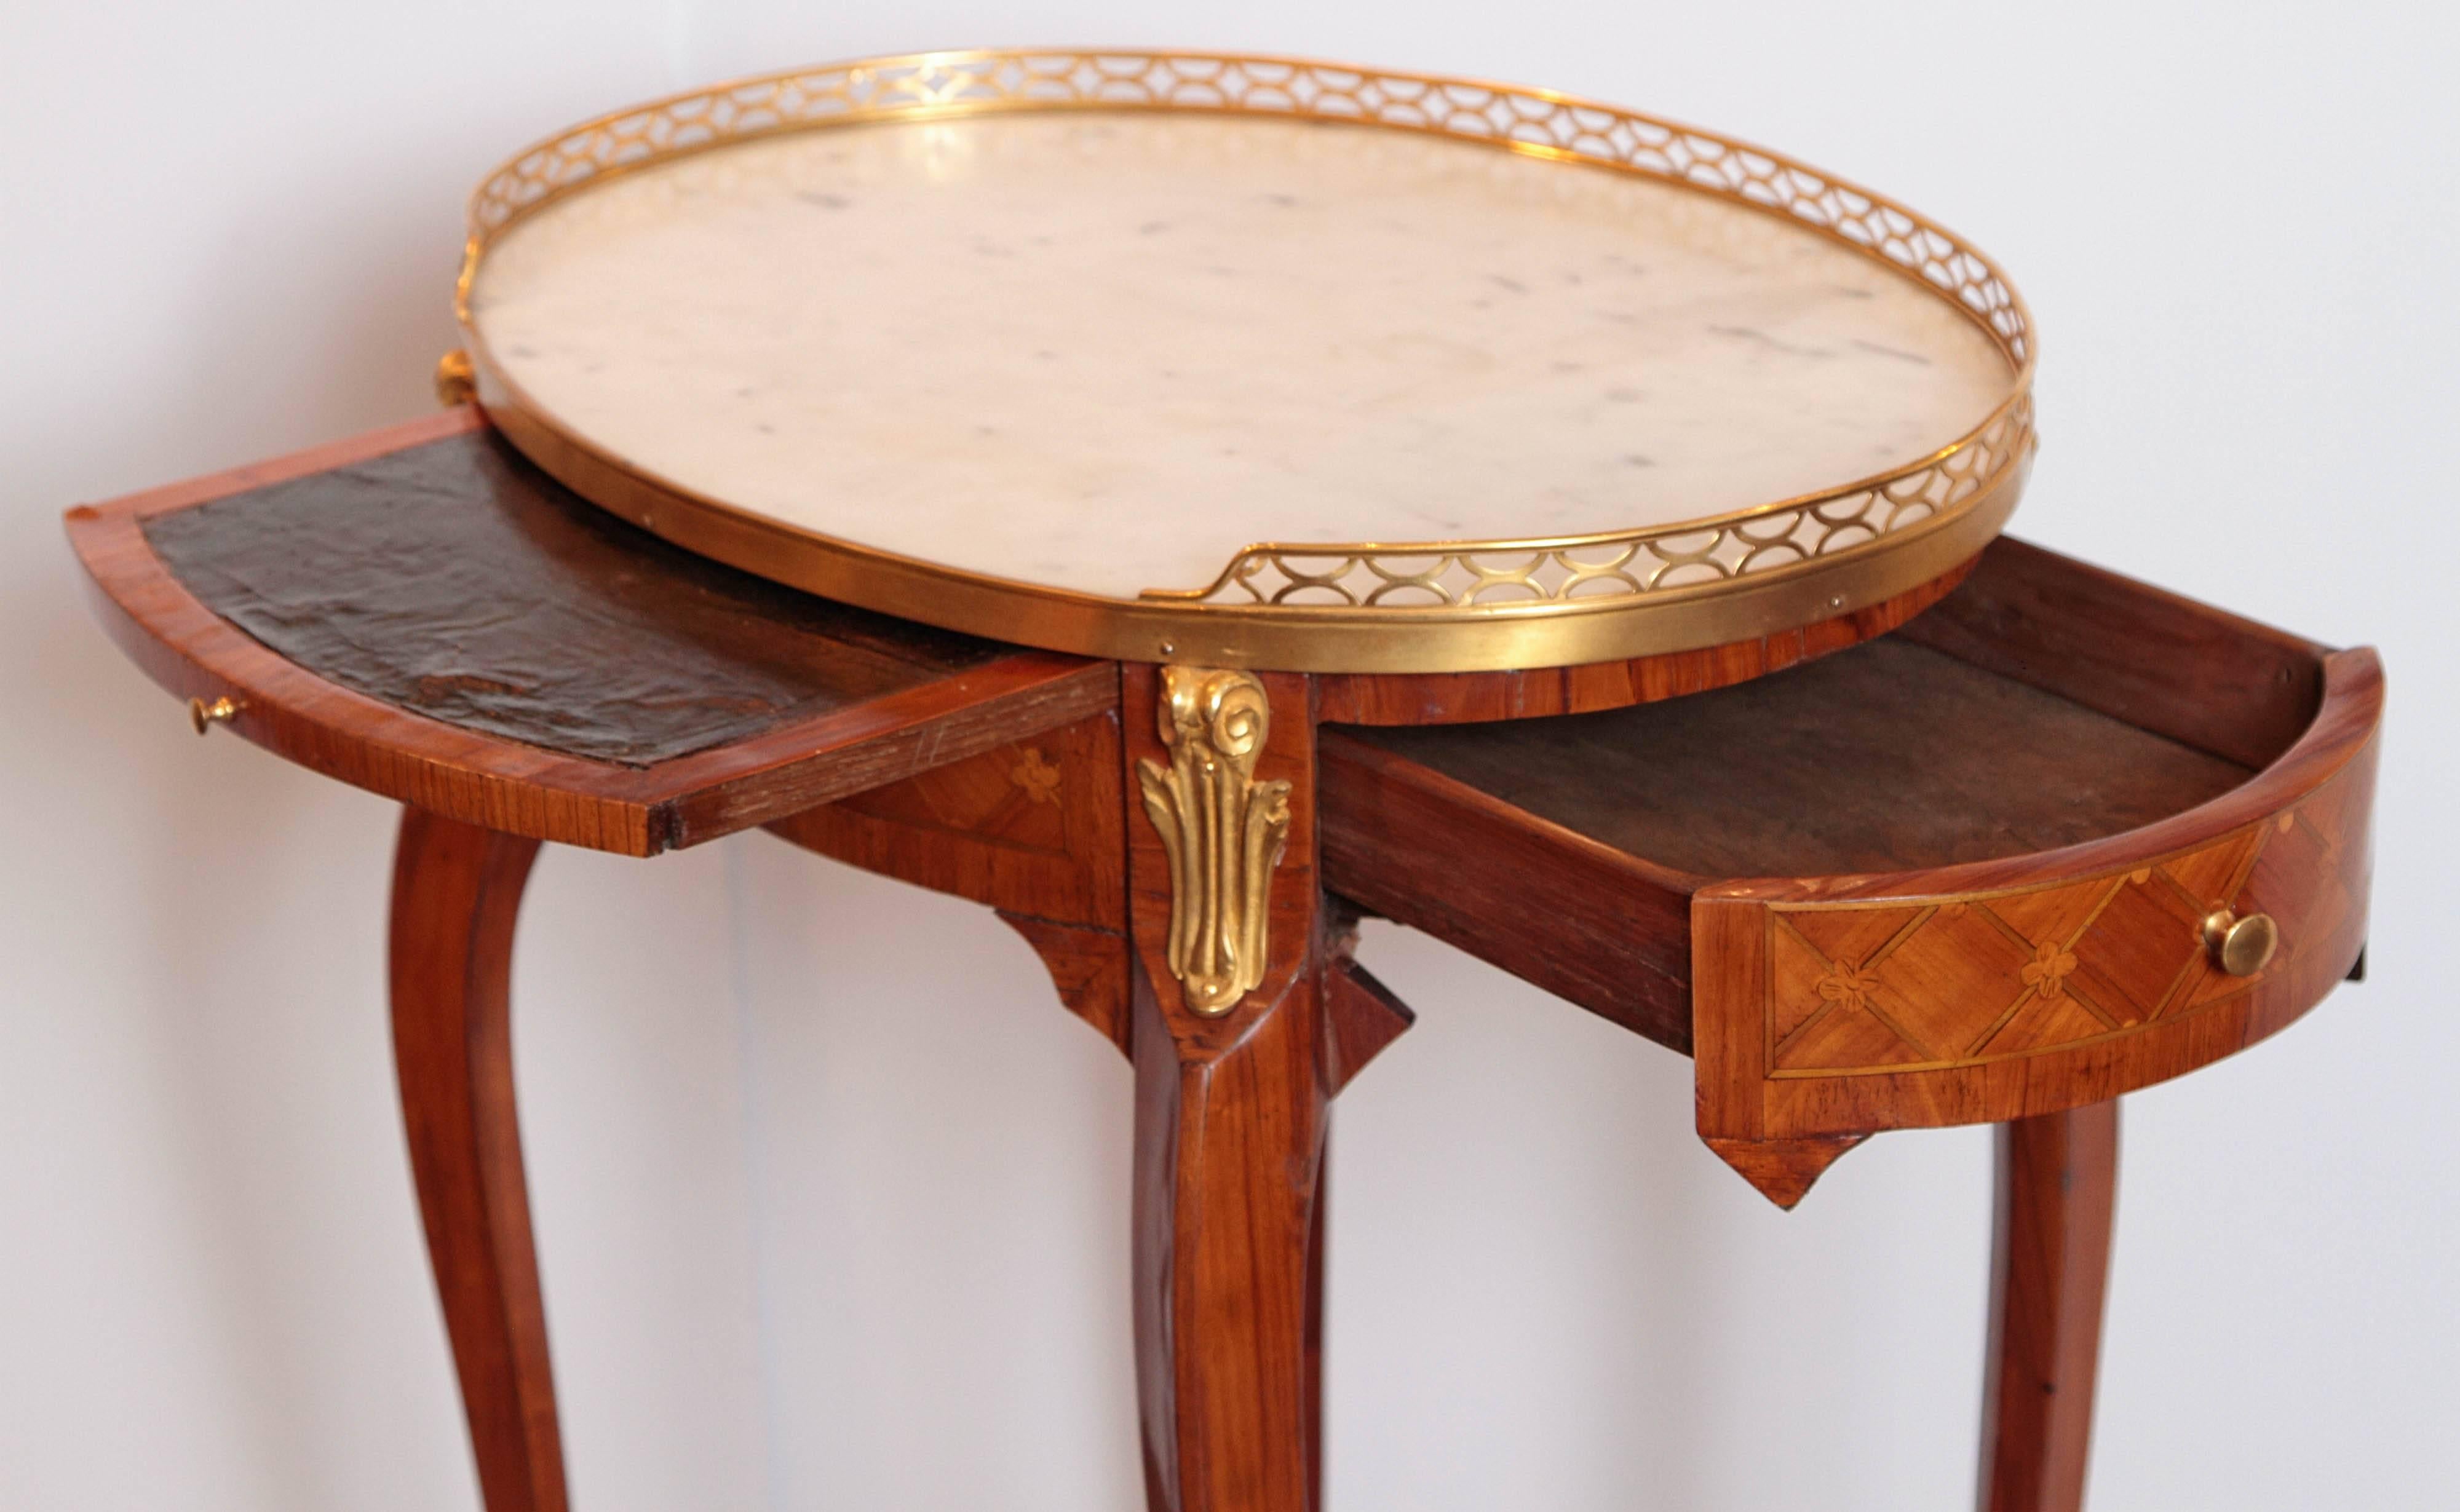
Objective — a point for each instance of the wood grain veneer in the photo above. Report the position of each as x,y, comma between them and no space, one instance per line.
456,890
2057,1197
1450,698
1231,1118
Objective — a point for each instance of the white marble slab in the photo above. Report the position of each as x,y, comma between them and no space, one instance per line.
1105,352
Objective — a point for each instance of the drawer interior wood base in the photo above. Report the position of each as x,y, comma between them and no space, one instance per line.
1887,756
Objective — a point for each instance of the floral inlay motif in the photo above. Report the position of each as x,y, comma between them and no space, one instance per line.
2048,969
1843,984
1037,776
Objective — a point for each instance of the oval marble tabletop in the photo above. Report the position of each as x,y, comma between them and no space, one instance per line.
1103,351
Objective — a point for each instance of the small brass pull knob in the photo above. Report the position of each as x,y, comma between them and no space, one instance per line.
222,710
2241,946
456,381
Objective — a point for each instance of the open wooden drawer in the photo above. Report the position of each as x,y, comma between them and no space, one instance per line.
2019,856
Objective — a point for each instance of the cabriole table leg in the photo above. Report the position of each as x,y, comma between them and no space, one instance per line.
2058,1182
1228,1152
455,891
1315,1325
1235,1065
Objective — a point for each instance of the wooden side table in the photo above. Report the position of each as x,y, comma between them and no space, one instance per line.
2058,837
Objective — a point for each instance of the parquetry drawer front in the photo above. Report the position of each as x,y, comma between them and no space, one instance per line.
1835,1007
1985,869
1966,979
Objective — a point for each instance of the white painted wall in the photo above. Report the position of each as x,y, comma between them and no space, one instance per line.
831,1196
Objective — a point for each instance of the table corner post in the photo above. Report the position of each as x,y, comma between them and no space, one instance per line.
1236,1066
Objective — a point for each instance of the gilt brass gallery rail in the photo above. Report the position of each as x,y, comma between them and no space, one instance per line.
1427,606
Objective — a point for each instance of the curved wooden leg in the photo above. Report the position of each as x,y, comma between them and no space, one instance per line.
1228,1150
456,890
2058,1181
1315,1326
1236,1064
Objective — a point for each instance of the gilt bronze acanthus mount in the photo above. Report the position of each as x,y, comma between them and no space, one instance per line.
1224,831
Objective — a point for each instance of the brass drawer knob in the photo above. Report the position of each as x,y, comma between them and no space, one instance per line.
222,710
457,380
2241,946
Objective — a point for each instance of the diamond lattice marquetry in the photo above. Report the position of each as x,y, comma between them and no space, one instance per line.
1951,978
2132,956
1897,986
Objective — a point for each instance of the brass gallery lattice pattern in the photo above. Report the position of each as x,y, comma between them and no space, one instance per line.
1631,561
1871,988
1385,575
